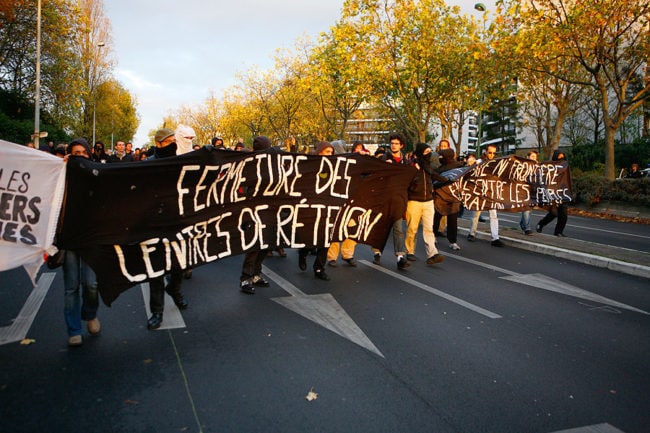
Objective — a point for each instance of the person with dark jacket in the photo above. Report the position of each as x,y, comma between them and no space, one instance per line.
557,210
165,148
445,203
419,207
99,154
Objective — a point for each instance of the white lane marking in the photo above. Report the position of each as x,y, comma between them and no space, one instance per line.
172,317
436,292
323,310
547,283
19,328
596,428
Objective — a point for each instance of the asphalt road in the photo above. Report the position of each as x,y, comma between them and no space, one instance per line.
490,340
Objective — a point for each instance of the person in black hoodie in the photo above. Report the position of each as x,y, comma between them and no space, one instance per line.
419,207
445,203
557,210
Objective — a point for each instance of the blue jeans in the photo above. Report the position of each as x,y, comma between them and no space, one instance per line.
524,222
78,275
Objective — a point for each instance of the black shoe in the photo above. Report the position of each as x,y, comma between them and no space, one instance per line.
411,258
402,263
155,321
539,228
351,261
177,297
436,258
528,232
302,260
498,243
377,259
260,281
321,275
471,238
187,274
481,219
247,286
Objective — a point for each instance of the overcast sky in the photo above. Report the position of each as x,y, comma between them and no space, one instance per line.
171,53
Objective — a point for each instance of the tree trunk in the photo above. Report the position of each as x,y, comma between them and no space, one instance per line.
610,165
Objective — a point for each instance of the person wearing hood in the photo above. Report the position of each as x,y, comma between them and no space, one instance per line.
420,208
81,300
99,154
165,147
184,135
445,203
559,211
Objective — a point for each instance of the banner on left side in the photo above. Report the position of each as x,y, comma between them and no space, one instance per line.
32,185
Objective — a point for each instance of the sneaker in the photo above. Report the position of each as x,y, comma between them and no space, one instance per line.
454,246
247,286
471,238
539,228
351,261
436,258
155,321
260,281
411,258
402,263
528,232
332,263
75,340
498,243
321,275
94,326
377,258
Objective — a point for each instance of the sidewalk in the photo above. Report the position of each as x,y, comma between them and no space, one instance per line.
604,256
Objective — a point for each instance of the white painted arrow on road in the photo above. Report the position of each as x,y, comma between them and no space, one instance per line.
322,309
551,284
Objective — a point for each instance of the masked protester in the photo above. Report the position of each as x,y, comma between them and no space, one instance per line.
184,135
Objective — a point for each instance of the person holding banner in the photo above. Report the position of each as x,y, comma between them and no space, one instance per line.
490,153
420,208
524,222
81,299
165,147
557,210
446,204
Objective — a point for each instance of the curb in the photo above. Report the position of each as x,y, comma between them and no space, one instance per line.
576,256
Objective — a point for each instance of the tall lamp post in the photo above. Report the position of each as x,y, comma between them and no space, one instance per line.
37,96
481,8
100,45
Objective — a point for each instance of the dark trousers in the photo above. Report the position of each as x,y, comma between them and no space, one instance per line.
557,211
321,257
452,226
157,290
253,264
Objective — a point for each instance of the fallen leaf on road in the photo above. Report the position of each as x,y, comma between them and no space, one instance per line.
311,395
27,341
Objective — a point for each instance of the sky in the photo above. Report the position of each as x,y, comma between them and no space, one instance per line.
171,53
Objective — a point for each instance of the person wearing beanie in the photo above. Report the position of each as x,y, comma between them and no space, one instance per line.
324,148
80,296
165,141
420,208
261,142
251,270
184,135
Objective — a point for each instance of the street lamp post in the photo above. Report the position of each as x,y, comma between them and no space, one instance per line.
481,8
37,96
100,45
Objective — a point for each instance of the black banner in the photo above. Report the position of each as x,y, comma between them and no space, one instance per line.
136,221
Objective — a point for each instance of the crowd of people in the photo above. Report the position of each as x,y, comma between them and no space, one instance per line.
435,209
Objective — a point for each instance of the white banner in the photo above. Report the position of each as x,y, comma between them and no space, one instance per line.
32,186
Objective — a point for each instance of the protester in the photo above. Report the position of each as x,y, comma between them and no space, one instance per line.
120,154
524,221
559,211
494,220
184,135
99,154
81,299
420,208
445,203
323,148
634,173
251,270
165,147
